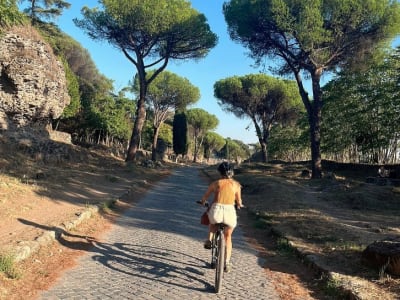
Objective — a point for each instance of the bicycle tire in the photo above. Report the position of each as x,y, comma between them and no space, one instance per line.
219,270
213,253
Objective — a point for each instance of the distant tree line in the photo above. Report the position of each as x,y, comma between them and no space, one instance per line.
308,39
353,118
99,115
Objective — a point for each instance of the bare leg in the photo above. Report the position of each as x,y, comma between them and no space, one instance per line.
211,230
228,238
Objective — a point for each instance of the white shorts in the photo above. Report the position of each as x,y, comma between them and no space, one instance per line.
223,213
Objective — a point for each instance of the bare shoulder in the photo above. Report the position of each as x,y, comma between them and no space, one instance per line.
237,183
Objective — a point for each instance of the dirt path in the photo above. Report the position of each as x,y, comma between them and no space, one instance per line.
341,213
30,206
155,251
42,269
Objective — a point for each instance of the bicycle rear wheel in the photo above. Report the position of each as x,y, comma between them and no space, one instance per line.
219,270
214,253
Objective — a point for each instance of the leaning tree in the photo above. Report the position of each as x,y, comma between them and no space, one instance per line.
150,33
213,142
263,99
200,122
309,38
47,9
166,94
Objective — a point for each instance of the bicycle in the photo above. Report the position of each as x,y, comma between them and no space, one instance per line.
218,253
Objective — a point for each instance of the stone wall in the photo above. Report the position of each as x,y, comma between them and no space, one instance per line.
33,87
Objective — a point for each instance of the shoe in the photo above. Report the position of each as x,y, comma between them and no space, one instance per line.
207,244
228,267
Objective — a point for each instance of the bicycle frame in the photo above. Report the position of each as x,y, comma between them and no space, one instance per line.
218,248
218,252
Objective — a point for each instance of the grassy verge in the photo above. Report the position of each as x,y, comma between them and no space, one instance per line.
7,266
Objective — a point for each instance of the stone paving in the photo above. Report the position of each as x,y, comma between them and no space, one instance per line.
155,251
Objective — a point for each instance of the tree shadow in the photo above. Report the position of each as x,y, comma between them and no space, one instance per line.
148,262
61,236
61,171
154,263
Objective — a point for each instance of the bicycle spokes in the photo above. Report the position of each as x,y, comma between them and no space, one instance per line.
220,260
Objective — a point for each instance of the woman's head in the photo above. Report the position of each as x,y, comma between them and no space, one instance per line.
226,169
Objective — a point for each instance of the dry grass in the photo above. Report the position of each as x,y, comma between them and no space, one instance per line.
333,218
39,193
49,193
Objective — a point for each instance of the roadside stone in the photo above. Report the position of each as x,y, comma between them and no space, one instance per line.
25,249
47,237
383,255
349,287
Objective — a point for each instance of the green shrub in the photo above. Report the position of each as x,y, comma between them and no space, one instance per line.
7,266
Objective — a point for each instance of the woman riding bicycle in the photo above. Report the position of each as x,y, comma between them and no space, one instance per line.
227,193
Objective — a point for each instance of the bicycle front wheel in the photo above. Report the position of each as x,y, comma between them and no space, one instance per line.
219,270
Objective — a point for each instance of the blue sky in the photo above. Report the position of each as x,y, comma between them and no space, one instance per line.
225,60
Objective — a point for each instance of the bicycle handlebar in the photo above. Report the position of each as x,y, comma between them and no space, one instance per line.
237,207
205,204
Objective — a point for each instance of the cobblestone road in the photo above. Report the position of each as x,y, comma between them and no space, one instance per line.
155,252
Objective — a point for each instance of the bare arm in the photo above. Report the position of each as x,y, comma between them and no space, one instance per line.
207,194
238,195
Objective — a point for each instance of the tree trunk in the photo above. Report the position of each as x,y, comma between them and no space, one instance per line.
264,153
266,130
195,148
198,141
140,113
314,118
263,144
154,146
33,15
137,130
315,126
